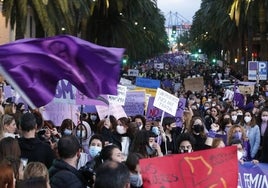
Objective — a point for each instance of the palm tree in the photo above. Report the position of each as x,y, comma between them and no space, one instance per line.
136,25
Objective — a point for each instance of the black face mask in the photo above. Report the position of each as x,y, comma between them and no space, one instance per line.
225,121
198,128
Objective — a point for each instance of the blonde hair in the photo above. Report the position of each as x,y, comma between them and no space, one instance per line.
231,131
34,170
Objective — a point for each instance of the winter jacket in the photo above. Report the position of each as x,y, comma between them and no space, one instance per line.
63,175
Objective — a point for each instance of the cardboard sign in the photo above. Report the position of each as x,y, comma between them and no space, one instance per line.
166,102
194,84
208,168
246,90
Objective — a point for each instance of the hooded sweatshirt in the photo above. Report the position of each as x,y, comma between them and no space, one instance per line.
34,149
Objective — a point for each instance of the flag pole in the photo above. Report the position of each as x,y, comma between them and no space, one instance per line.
17,88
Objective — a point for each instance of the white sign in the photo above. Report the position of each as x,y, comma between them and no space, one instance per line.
228,94
159,65
166,102
116,110
120,98
133,72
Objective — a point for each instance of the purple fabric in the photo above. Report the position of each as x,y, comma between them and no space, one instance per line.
37,65
238,97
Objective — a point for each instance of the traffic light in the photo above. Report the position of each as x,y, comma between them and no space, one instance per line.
174,29
214,61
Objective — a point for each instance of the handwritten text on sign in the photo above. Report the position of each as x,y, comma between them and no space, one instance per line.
166,102
120,98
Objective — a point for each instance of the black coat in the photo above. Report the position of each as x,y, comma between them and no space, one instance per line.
264,144
63,175
35,150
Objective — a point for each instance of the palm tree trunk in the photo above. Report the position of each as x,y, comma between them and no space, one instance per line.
263,42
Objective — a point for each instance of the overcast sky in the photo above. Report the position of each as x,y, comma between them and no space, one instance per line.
184,8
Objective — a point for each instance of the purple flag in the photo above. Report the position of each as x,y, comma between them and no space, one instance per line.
238,97
35,66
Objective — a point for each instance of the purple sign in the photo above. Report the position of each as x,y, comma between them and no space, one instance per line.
253,175
134,103
154,113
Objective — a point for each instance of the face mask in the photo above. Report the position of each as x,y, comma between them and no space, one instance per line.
120,129
185,151
94,151
93,117
206,107
264,118
226,129
156,131
213,104
226,121
209,100
78,134
234,117
67,132
237,135
136,180
198,128
247,119
240,155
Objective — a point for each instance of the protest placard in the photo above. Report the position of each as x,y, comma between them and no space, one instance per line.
135,101
116,110
147,82
194,84
57,112
153,113
149,91
166,101
246,90
120,98
207,168
133,72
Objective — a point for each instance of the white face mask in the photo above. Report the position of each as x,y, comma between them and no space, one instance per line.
78,134
121,129
234,117
240,154
247,119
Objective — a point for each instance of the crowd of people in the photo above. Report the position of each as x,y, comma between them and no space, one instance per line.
105,152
